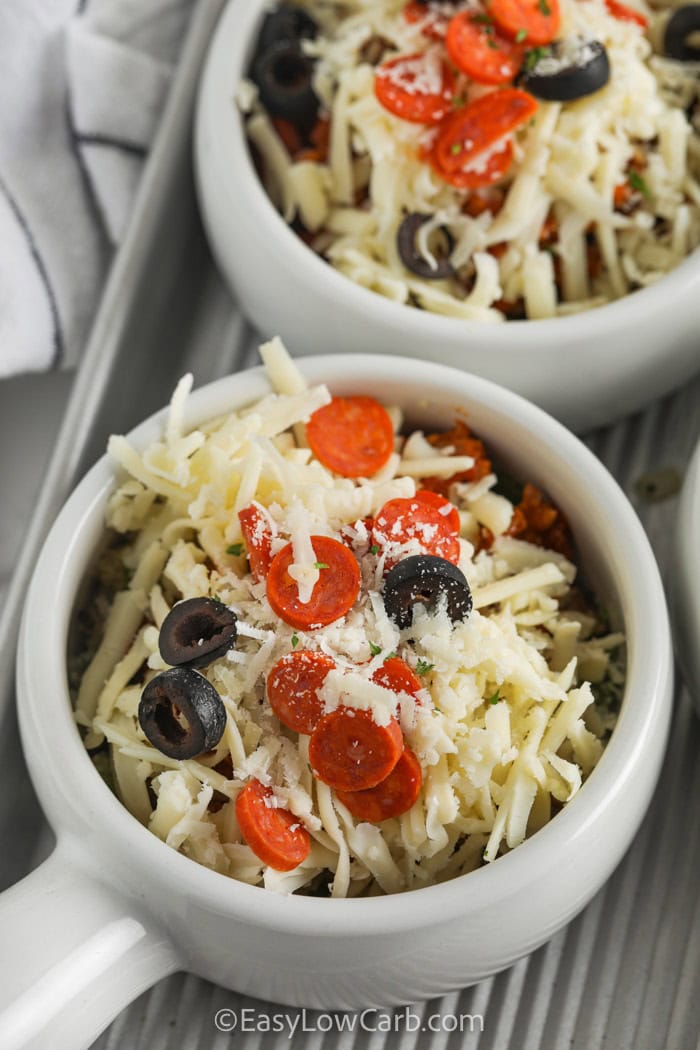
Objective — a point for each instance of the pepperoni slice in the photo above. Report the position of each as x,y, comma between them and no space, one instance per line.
345,534
479,50
258,539
349,751
625,13
353,436
435,22
494,167
442,505
292,689
390,798
402,520
395,674
535,22
403,86
335,592
478,126
275,835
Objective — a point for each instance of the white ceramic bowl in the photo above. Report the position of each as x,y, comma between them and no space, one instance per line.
587,369
686,579
114,909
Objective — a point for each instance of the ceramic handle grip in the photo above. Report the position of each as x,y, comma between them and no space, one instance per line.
73,956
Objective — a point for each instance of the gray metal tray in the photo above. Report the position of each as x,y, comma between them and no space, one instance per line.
622,975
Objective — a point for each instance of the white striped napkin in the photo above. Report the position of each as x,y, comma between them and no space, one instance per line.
83,87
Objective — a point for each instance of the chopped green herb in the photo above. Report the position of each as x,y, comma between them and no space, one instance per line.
390,656
235,549
458,101
456,148
375,649
491,43
374,549
543,7
637,183
216,598
482,20
321,565
422,667
607,694
295,641
520,36
533,57
485,853
495,698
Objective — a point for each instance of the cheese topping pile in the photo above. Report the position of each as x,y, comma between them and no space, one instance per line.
602,197
506,727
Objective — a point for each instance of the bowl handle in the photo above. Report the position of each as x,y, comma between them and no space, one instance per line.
74,954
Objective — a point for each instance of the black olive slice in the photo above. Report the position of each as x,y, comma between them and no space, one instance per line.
412,258
181,713
565,71
682,24
283,75
424,579
288,24
196,632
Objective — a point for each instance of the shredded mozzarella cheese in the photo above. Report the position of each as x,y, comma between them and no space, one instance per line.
505,720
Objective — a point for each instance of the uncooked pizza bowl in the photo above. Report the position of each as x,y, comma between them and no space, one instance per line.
586,368
148,910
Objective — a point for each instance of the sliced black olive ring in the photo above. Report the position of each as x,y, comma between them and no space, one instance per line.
196,632
412,258
286,23
683,23
581,71
283,74
425,579
181,713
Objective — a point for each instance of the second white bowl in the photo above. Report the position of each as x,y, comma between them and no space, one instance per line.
586,369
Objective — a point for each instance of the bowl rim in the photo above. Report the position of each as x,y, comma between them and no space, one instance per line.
230,49
74,795
685,604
